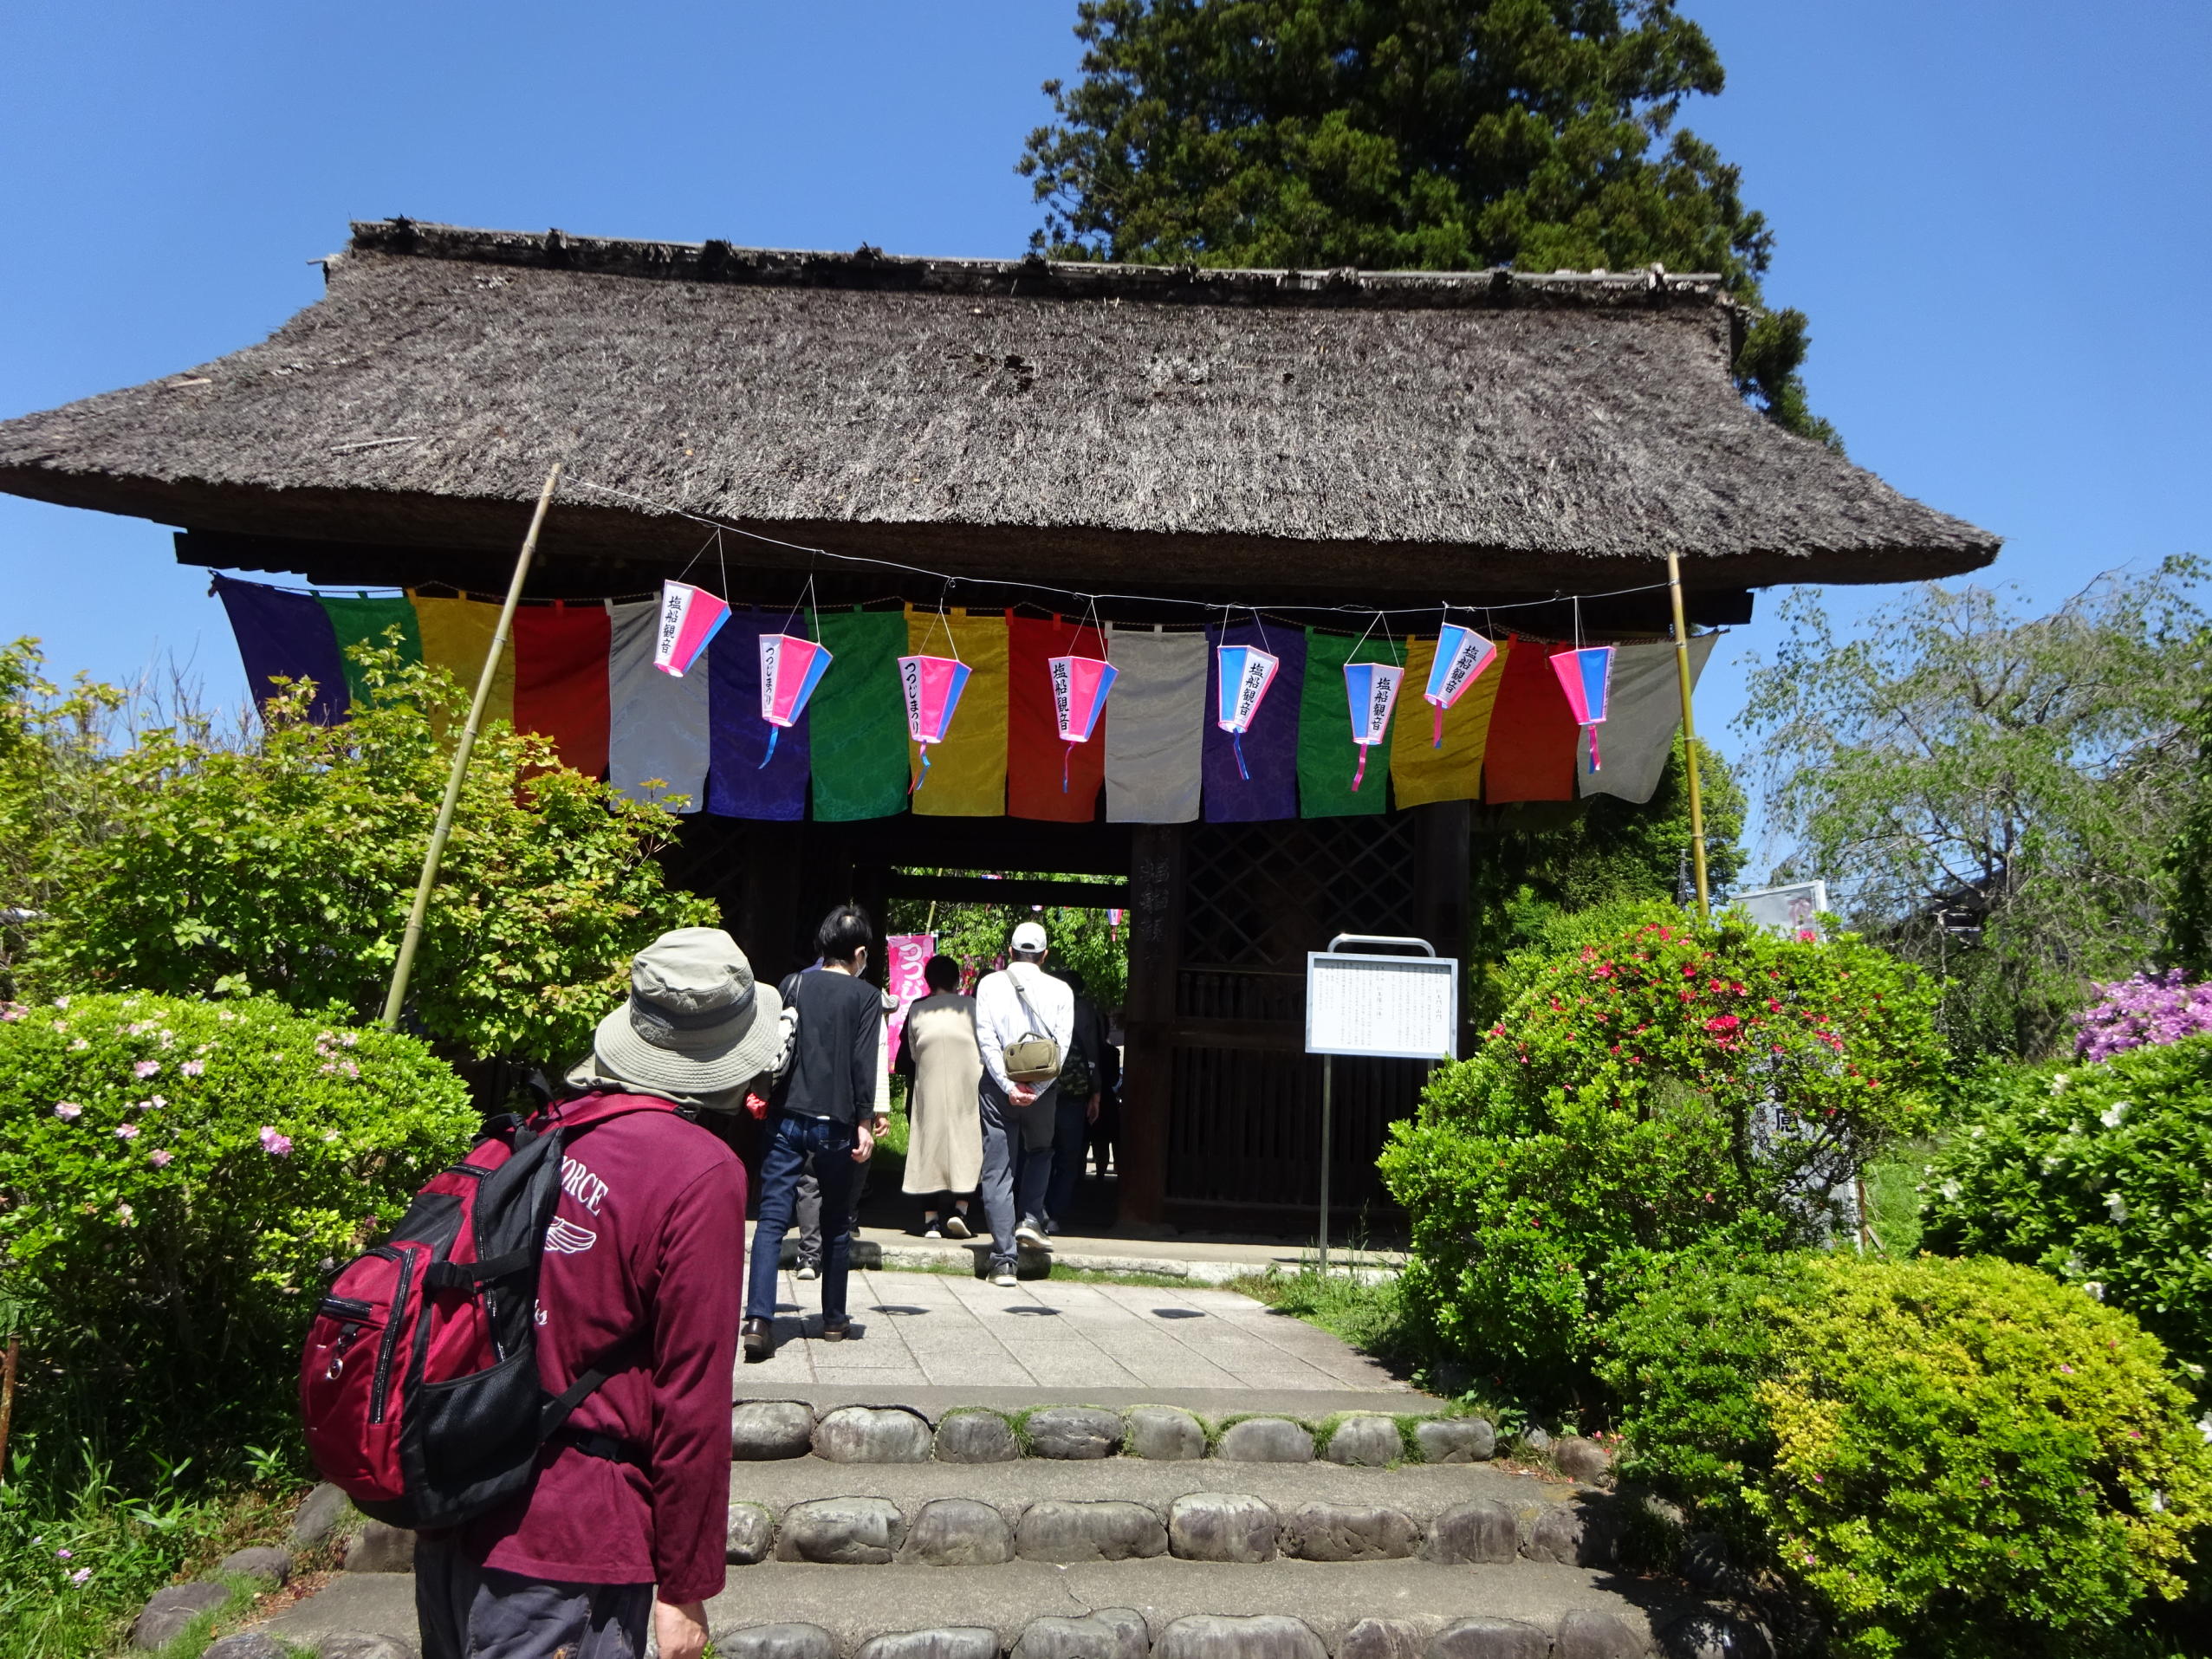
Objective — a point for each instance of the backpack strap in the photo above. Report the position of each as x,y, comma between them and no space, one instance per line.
554,1412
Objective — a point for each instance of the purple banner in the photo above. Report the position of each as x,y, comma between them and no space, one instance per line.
1271,747
739,786
288,634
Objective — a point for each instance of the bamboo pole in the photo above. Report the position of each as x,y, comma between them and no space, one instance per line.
8,1362
412,937
1688,737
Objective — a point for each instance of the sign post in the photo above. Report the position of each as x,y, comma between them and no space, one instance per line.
1375,1007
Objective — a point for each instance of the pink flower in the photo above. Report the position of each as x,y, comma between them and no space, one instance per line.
123,1214
275,1145
127,1131
2066,1371
81,1576
160,1160
65,1555
193,1067
10,1012
147,1067
68,1112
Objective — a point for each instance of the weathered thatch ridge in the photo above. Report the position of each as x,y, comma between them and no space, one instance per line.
1532,436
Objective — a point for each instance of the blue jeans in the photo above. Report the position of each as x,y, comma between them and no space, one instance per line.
791,1142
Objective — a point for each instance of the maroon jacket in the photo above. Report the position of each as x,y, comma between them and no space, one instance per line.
649,1236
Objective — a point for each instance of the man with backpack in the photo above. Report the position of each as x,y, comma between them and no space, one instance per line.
1025,1024
535,1369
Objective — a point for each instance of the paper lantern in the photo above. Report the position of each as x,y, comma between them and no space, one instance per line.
689,618
1244,672
1583,675
932,685
1080,686
1461,655
1372,690
790,669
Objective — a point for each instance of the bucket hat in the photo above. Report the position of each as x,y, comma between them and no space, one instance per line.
695,1023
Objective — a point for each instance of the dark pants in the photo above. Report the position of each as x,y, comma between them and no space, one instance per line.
1018,1163
1105,1133
467,1611
791,1142
1071,1128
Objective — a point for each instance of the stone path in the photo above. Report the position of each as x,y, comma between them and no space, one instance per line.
919,1330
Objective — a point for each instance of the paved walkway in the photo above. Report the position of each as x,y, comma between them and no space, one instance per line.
1206,1261
921,1330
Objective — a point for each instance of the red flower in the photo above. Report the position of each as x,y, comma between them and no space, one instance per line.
1722,1022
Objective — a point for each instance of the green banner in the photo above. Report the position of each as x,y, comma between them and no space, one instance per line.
362,621
1326,755
857,719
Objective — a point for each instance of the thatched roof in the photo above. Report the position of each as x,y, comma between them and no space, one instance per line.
1444,435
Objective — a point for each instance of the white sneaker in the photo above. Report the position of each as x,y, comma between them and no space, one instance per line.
1004,1279
806,1270
1032,1236
956,1226
931,1232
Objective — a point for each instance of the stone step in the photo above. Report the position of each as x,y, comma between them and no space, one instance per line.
813,1509
1162,1609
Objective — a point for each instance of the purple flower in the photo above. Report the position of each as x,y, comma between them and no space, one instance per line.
193,1067
2148,1009
127,1131
68,1110
81,1576
10,1012
147,1067
160,1159
65,1555
275,1145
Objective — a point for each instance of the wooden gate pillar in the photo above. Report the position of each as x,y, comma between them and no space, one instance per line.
1155,959
1443,847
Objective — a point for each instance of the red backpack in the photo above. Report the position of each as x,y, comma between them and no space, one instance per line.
419,1387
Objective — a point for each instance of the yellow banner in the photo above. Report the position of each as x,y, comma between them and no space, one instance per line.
1421,773
967,775
456,637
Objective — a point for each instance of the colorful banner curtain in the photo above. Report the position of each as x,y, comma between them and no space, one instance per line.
1155,742
656,725
738,785
286,635
1326,755
1644,713
968,769
1420,773
1530,755
560,687
857,722
456,637
364,621
1271,747
1034,753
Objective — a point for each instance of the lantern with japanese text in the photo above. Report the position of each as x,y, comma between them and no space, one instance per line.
1372,691
1461,655
1080,686
689,618
790,669
1244,673
1584,674
932,686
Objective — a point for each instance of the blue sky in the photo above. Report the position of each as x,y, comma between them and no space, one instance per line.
1995,213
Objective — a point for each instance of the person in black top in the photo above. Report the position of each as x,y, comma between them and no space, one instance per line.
1092,1065
824,1109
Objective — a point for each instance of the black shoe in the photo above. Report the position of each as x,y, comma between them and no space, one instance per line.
760,1339
836,1330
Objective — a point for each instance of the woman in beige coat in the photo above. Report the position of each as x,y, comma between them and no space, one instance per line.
938,1055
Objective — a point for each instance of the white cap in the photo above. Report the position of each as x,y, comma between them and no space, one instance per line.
1029,936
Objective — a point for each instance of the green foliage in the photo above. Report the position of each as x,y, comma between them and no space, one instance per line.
1404,135
50,750
2026,773
177,1180
976,935
2096,1173
1972,1459
286,869
1623,1105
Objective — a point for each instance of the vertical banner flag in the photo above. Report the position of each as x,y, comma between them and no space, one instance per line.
1461,655
1372,691
1246,672
689,618
904,957
1583,675
790,669
1080,686
932,687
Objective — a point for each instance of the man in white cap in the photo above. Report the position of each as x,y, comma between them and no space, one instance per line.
1020,1010
629,1516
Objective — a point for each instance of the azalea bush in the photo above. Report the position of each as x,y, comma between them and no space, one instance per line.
178,1180
2147,1009
284,868
2097,1174
1665,1086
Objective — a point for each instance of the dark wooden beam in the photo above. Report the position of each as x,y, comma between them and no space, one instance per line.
1009,889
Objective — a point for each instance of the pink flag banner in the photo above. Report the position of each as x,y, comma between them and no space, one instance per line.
1246,673
689,618
790,669
932,687
1461,655
1585,675
1370,688
906,955
1080,686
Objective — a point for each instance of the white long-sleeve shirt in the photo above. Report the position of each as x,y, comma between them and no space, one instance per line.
1000,1019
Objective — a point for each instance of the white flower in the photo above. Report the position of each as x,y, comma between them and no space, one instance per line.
2157,1503
1949,1189
2112,1115
2058,1083
2096,1289
2051,1162
2204,1427
1979,1132
2116,1206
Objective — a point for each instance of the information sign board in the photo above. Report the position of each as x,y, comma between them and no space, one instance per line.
1382,1008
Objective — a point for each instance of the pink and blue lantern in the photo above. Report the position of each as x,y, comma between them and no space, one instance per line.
790,669
689,618
1461,655
1584,674
1080,686
1243,674
932,686
1372,691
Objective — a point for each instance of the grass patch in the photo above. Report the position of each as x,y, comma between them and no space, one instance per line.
1370,1316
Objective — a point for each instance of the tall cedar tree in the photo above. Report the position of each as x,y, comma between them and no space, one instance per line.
1406,134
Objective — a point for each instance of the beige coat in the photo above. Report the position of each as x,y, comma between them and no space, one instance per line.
944,1145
